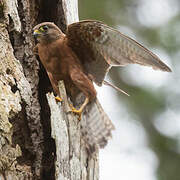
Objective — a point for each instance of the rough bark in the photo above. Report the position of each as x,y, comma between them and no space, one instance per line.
27,150
73,162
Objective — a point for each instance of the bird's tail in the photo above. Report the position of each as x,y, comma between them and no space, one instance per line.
96,126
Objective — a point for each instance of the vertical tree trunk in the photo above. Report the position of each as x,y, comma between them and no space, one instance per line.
73,161
27,150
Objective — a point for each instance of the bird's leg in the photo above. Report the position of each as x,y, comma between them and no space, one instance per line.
54,84
80,110
84,84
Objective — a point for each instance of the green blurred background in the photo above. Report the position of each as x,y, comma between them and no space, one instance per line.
153,109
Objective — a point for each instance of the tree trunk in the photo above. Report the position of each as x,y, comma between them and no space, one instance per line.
36,142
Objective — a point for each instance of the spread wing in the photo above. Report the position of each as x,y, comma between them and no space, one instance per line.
99,47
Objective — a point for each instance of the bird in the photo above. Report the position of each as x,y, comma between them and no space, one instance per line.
84,54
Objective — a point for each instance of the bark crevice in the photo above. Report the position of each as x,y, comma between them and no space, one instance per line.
52,11
21,136
49,149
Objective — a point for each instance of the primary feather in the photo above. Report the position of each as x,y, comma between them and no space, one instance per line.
105,47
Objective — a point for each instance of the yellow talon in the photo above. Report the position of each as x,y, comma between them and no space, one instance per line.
76,111
80,110
58,99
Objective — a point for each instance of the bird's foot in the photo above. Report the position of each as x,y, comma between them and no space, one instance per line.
80,110
58,99
76,111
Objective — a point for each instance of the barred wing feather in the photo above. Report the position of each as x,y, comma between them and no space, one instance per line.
99,47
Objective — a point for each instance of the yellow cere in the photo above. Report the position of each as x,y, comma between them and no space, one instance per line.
41,29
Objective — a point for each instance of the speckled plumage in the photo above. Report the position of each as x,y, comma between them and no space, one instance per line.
98,44
85,54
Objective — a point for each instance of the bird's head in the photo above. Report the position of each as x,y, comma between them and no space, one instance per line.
46,32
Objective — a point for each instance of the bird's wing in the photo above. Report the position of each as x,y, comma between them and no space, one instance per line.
99,47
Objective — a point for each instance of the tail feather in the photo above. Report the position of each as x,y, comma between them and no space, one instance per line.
96,126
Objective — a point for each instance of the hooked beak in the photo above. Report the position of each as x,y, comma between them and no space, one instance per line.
36,33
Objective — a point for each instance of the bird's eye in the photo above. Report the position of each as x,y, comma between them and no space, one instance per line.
45,28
